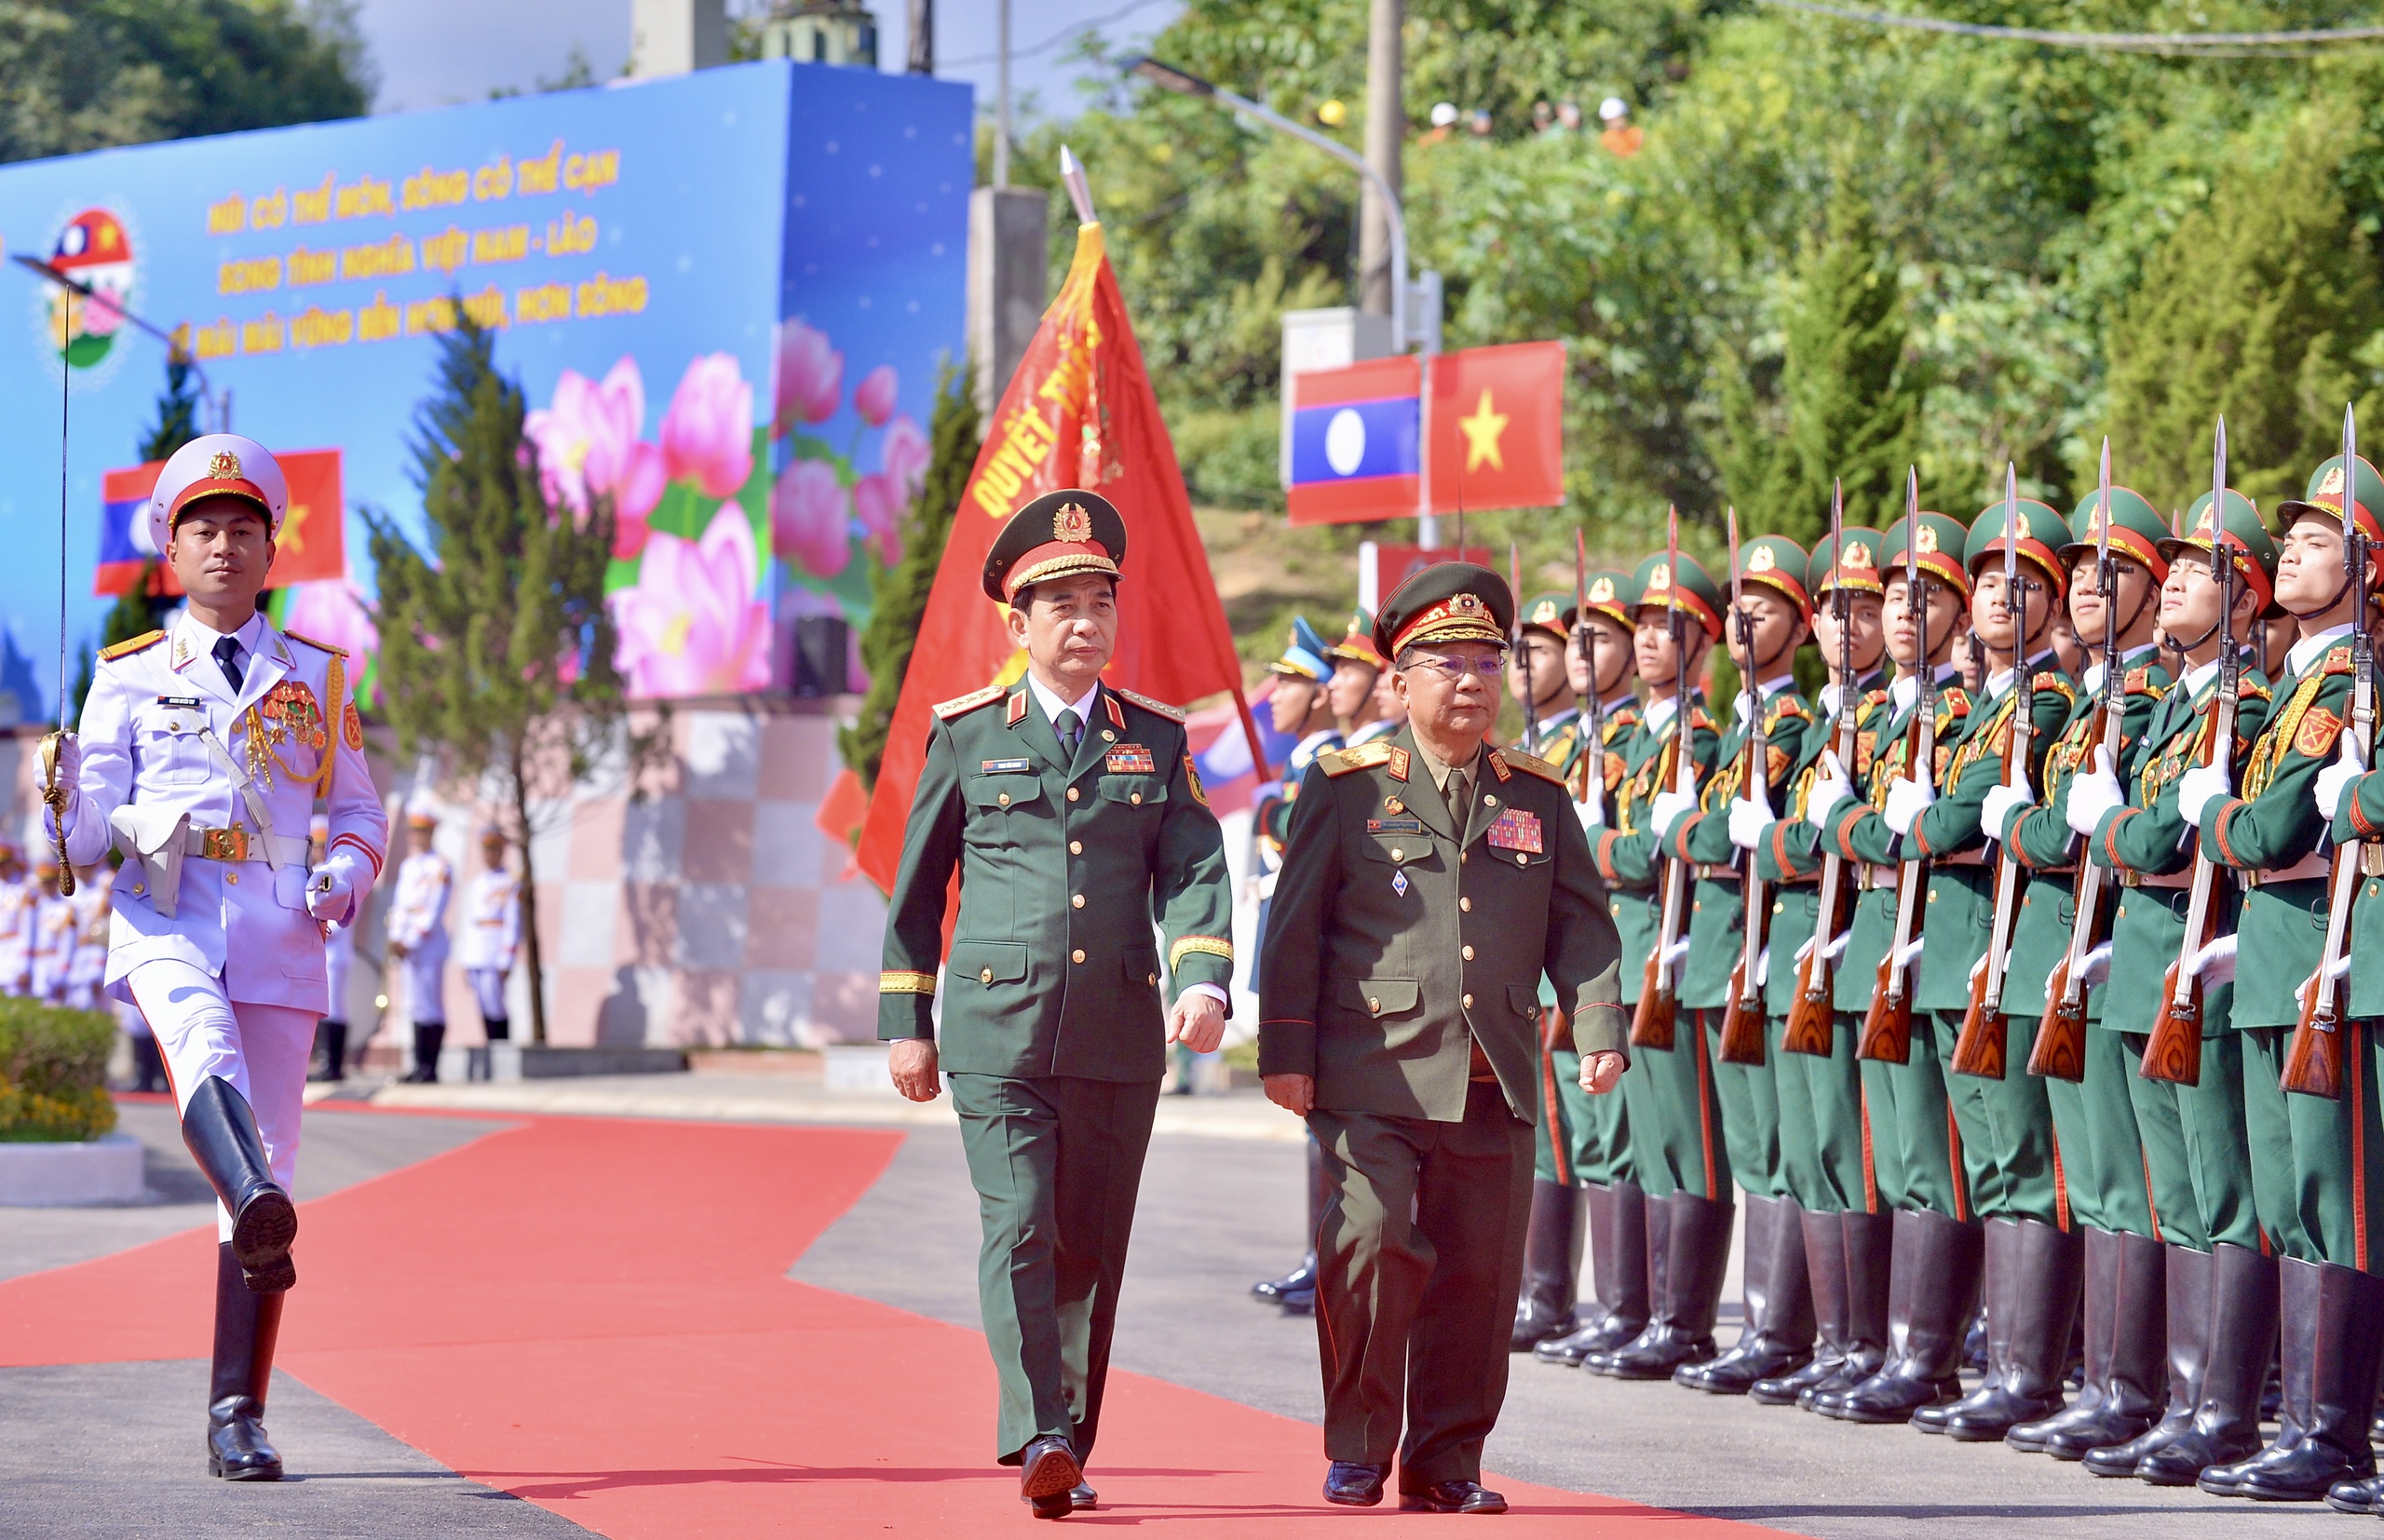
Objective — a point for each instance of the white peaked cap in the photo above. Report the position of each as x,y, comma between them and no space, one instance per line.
217,465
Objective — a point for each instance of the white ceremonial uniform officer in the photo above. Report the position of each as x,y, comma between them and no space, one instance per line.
16,921
93,895
492,934
51,954
418,937
202,751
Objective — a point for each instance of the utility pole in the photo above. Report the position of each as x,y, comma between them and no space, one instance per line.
1001,109
921,59
1386,135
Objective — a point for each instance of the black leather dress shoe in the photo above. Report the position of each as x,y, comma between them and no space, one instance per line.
1047,1476
1453,1497
1354,1484
1082,1498
1302,1276
1298,1302
238,1449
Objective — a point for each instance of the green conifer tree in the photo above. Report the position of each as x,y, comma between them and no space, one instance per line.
954,434
177,421
1853,397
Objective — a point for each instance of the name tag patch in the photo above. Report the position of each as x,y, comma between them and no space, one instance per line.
1395,826
1131,759
1515,829
1003,767
188,703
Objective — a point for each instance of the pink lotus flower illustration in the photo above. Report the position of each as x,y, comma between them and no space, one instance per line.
875,396
878,502
810,377
810,525
904,455
708,433
692,625
588,447
334,612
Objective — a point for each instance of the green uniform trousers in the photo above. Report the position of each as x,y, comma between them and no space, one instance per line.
1906,1106
2196,1153
2006,1129
1824,1147
2317,1164
1675,1116
1056,1162
2104,1169
1420,1259
1750,1098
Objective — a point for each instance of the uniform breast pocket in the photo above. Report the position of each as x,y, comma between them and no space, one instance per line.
987,964
1134,790
168,746
996,800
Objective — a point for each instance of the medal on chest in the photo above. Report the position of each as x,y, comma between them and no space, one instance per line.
1515,829
1131,759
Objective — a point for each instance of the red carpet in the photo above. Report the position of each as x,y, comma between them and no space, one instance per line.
594,1316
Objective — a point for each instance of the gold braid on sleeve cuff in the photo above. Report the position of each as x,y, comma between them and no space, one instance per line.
893,982
1213,946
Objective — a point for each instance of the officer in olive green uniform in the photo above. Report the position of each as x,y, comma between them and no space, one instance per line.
1678,1145
1917,1165
1772,618
1422,897
1824,1157
2101,1154
2313,1158
1073,832
2218,1306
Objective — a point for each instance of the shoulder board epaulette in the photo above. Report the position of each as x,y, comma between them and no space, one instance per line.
970,701
2338,661
2138,681
1531,764
1365,756
2253,688
1953,697
1696,718
2059,683
126,649
1875,698
1172,713
319,646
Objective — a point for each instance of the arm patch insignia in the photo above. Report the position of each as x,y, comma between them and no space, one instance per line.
1192,774
2317,733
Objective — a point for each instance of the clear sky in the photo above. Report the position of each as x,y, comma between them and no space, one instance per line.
434,52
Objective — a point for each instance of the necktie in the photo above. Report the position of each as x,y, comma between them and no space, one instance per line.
227,657
1459,792
1071,728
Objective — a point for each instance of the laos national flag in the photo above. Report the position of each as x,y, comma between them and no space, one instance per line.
1355,442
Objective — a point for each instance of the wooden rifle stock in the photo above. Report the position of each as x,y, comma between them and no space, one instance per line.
2313,1060
1743,1013
1980,1046
2060,1051
2174,1051
1887,1026
1812,1015
1652,1019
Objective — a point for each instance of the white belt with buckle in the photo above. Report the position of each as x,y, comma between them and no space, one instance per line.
236,843
2130,877
2310,866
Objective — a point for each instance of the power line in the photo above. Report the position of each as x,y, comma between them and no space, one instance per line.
1054,40
2198,43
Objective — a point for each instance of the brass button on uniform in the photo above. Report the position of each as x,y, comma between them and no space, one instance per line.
1153,981
1072,793
1076,847
1397,854
1780,909
232,877
1489,802
1134,797
1078,955
1108,737
1464,856
1522,859
985,976
1465,1000
1374,1004
1005,799
1469,955
1075,900
1464,906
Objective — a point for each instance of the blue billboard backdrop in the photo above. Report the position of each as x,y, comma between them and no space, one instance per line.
725,296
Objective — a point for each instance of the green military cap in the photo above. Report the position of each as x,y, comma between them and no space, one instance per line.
2041,532
1941,536
1447,601
1858,572
1305,656
1551,613
2248,543
1778,563
1612,594
2136,530
2325,495
1357,643
1059,534
1689,586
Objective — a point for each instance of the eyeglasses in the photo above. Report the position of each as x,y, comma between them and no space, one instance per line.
1454,670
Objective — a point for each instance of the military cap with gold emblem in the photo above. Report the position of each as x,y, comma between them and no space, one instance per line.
1305,656
2137,530
1778,563
1062,533
1687,588
1942,538
1551,613
1448,601
2247,540
1357,643
2326,496
2042,533
217,465
1613,594
1858,572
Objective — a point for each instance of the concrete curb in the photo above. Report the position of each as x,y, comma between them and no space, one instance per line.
104,1170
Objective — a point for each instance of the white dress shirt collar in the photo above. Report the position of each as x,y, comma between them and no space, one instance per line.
2309,649
1052,705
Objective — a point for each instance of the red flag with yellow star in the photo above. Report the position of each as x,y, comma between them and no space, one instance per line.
311,547
1497,428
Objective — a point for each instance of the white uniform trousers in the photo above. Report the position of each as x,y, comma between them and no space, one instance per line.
426,985
488,992
261,1050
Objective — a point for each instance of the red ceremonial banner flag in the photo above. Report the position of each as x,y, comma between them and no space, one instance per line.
1079,413
1497,428
311,547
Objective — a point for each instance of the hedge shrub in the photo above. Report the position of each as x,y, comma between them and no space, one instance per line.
53,1073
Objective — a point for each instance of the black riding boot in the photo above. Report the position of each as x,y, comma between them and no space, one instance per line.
221,1131
246,1324
2334,1332
2041,1307
499,1028
1777,1335
1545,1310
1869,1241
330,1051
1687,1294
2186,1313
1620,1259
2235,1369
1824,1238
428,1037
2126,1322
1931,1295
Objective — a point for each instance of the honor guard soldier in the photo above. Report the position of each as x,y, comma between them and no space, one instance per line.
1430,881
1595,1147
417,932
2102,1162
202,751
1355,692
492,934
51,955
1933,1243
2218,1306
1074,817
16,921
2313,1156
1824,1157
93,904
1677,1148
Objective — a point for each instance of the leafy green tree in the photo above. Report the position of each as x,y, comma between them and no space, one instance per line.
177,421
496,646
955,436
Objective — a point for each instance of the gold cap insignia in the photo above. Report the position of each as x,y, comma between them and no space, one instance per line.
224,467
1761,559
1927,538
1660,578
1465,603
2204,523
2333,480
1602,591
1072,523
2019,523
1858,558
1545,612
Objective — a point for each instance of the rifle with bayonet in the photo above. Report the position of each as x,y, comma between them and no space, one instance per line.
1593,708
1983,1046
1522,653
1742,1012
1812,1015
2060,1051
2313,1060
1651,1023
2174,1051
1887,1026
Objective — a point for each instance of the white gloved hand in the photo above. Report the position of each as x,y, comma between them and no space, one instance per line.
1763,967
2002,803
2197,788
2095,966
1674,953
1592,814
70,780
2092,793
2338,972
1668,809
1749,819
2215,963
1830,788
329,893
1836,947
2334,780
1911,953
1906,800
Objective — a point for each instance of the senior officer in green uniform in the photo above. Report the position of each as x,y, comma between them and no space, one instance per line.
1678,1145
1824,1158
1430,881
2313,1158
2219,1309
2101,1154
1772,618
1076,820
